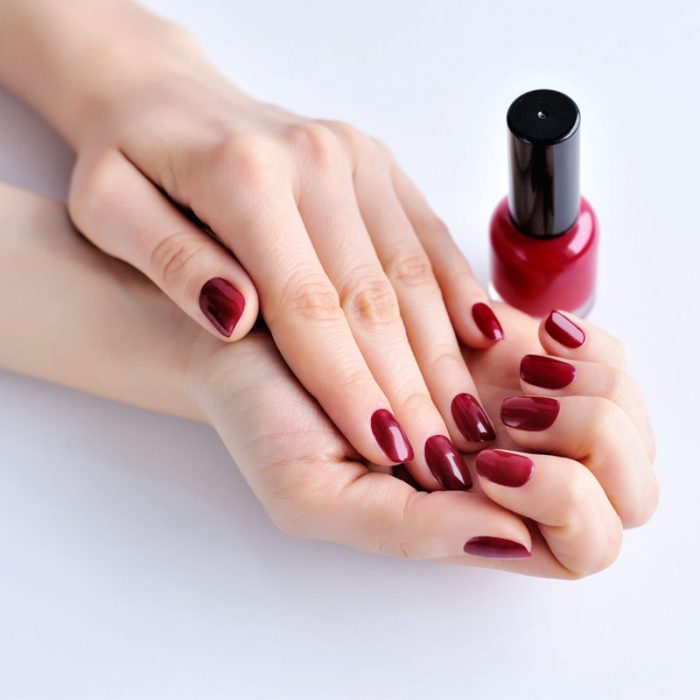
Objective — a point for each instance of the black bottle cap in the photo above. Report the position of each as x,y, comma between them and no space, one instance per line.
544,195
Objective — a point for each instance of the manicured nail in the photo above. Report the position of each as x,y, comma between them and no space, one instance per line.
529,412
391,437
504,468
222,304
546,372
446,464
471,419
486,320
496,548
564,331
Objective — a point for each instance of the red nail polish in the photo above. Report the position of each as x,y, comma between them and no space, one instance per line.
486,320
504,468
446,464
222,304
391,437
529,412
496,548
544,235
546,372
564,331
471,419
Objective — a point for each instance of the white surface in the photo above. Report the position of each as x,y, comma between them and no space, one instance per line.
134,563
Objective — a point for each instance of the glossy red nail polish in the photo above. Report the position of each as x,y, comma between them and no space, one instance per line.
544,235
504,468
391,437
222,304
471,419
529,412
486,320
496,548
446,464
564,331
546,372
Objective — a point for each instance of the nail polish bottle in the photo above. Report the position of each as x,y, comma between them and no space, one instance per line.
544,235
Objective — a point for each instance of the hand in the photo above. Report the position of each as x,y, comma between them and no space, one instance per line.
112,333
362,287
568,511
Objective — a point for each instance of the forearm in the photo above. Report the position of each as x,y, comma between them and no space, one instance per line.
71,315
71,60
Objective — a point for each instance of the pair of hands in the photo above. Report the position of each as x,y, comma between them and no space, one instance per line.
367,299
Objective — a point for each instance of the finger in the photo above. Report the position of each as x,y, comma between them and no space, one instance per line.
125,215
302,309
430,332
473,318
573,513
336,228
565,335
548,376
596,432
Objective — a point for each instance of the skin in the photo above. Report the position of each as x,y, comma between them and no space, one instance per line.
363,289
115,334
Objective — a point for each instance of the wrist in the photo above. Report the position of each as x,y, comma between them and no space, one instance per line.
75,62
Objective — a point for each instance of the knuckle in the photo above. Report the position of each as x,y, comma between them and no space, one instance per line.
435,227
642,509
251,160
575,493
414,402
348,382
609,550
413,271
603,555
317,143
354,139
172,256
605,420
372,303
94,193
310,297
447,362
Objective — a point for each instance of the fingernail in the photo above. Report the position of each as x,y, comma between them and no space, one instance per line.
391,437
504,468
222,304
546,372
446,464
471,419
529,412
487,322
564,331
496,548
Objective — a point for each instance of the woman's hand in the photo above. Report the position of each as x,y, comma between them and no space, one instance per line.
361,285
570,468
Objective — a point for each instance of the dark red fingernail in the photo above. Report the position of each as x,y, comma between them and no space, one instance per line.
222,304
504,468
496,548
391,437
446,464
546,372
529,412
487,322
471,419
564,331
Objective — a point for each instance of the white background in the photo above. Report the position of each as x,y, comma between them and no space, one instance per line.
134,562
